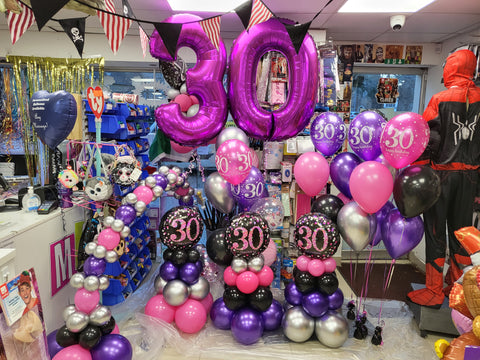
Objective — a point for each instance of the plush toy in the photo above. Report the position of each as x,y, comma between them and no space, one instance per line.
98,188
68,178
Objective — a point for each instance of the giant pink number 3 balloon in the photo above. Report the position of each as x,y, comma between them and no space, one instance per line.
204,80
296,112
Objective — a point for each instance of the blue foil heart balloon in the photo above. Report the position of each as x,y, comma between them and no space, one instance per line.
53,116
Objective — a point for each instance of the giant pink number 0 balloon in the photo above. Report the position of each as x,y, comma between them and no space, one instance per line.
296,112
204,80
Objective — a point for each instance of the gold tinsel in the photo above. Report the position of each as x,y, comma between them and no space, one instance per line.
52,74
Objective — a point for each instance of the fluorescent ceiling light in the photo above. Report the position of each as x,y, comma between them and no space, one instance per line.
149,87
142,80
383,6
204,5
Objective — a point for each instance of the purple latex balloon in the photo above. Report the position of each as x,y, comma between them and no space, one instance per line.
341,168
189,273
183,203
199,265
221,315
112,347
247,326
335,301
292,295
272,317
168,271
401,235
249,190
126,213
315,304
364,134
161,180
296,112
94,266
328,131
381,215
204,80
53,346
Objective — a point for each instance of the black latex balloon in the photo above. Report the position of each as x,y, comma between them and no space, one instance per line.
305,282
327,283
179,257
65,337
261,299
217,248
193,255
168,255
90,337
173,72
233,298
328,205
416,189
108,327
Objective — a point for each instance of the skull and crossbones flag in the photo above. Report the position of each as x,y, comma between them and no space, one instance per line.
75,30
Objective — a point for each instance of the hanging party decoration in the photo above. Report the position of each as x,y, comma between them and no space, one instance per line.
316,236
311,172
233,161
250,190
404,139
247,235
328,132
53,116
364,134
204,81
341,168
296,112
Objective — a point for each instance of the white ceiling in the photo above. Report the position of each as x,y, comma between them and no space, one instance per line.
435,23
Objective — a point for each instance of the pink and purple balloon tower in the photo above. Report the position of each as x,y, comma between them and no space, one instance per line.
247,306
183,295
313,298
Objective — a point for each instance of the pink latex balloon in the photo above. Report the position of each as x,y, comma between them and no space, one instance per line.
116,330
74,352
230,276
184,101
207,302
233,161
302,262
265,276
160,309
144,193
191,316
247,282
461,322
371,185
86,301
316,267
330,265
270,253
311,172
108,238
194,99
404,139
204,80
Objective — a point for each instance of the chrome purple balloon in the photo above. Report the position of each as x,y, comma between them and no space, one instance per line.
247,326
364,134
335,301
292,295
296,112
161,180
341,168
221,315
315,304
328,131
189,273
381,215
204,80
272,317
168,271
94,266
112,347
249,190
126,213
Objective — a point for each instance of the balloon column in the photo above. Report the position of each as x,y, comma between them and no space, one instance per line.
183,295
247,306
314,297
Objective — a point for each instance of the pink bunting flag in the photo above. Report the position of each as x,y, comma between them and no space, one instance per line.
143,40
212,29
115,27
260,13
19,23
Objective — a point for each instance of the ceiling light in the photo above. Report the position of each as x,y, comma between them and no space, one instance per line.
382,6
149,87
204,5
142,80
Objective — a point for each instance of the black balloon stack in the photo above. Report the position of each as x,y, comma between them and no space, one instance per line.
247,307
183,295
313,298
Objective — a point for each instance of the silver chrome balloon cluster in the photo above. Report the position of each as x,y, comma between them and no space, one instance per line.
177,184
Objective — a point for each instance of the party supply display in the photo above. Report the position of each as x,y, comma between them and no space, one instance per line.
341,168
311,172
296,112
204,81
364,134
328,131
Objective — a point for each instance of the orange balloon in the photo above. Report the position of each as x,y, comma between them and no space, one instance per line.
469,237
457,300
456,350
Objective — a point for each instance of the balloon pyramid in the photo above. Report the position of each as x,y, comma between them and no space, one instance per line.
247,307
183,295
313,298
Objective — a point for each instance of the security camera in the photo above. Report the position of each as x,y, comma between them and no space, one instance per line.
397,22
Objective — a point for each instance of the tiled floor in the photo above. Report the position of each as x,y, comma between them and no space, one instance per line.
400,335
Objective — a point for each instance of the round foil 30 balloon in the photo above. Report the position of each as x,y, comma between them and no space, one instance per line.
247,235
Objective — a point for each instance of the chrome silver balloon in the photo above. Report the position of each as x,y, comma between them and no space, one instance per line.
69,310
172,93
239,264
180,181
100,251
172,178
200,289
356,226
111,256
331,329
159,284
101,315
168,187
150,182
256,264
157,191
131,198
297,325
191,191
176,292
125,232
193,110
76,281
177,170
103,282
117,225
108,221
218,192
77,321
177,196
186,199
140,206
91,283
229,134
90,248
164,170
186,185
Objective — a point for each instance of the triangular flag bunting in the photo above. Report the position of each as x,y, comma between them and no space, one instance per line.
19,23
297,33
45,9
169,32
75,30
115,27
260,13
143,40
127,9
212,29
244,11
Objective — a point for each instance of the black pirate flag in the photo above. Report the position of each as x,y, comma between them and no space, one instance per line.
75,29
